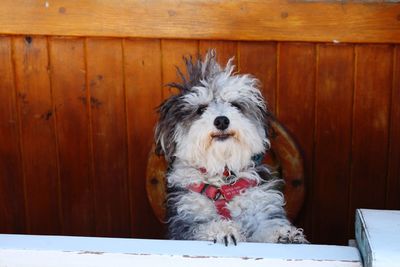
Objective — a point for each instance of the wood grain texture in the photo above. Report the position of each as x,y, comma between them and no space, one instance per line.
295,109
334,103
69,91
142,59
393,180
259,59
173,52
12,199
244,20
39,152
373,87
225,50
107,98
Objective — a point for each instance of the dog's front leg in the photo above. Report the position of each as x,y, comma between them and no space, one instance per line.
221,231
193,216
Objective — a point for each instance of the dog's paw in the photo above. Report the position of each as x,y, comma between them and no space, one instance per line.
225,232
292,235
231,239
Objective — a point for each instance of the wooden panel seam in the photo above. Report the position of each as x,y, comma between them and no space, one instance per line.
390,137
17,104
60,213
350,192
389,133
128,144
90,136
278,55
309,192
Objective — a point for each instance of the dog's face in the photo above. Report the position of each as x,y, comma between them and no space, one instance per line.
218,119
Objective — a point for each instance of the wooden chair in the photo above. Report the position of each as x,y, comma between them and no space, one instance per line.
284,158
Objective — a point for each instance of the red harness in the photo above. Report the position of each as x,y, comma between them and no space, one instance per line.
224,194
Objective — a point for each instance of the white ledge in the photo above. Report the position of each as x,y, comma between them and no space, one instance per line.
43,251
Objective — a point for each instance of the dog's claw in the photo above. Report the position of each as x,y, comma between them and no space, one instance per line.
234,240
227,240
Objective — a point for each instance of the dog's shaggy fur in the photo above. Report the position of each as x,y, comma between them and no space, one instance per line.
218,122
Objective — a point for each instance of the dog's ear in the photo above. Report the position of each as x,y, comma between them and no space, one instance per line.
165,129
165,145
270,134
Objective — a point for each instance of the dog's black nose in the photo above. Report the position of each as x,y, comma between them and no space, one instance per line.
221,122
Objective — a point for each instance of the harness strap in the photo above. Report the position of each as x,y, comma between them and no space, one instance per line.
224,194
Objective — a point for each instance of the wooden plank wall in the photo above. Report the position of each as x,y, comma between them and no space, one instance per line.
77,117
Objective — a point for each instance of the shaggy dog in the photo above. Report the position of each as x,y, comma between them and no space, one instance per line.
212,134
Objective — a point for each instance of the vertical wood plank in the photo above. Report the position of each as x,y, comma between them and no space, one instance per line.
12,204
370,127
38,135
142,60
69,92
259,59
334,103
393,181
105,78
172,53
225,50
295,109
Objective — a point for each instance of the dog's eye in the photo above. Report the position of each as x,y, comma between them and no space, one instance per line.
236,105
201,109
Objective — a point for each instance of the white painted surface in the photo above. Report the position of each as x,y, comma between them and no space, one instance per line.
378,235
52,251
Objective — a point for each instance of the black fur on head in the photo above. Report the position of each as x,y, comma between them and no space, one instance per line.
175,110
196,71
